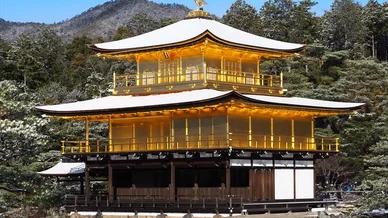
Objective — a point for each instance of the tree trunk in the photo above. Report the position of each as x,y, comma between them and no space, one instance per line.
25,79
373,46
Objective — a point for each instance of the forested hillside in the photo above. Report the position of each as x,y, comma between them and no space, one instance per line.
346,60
100,21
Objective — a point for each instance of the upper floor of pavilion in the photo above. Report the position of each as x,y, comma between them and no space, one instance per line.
197,53
201,120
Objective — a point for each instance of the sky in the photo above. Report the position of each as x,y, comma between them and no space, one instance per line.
54,11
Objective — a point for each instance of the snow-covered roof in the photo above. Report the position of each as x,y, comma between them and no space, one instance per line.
193,29
64,169
304,102
132,103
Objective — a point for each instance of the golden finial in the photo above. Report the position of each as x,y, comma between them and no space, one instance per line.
199,13
200,3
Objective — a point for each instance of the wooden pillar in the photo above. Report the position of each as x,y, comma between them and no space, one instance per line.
87,149
228,133
172,134
150,142
293,134
110,182
137,71
134,147
82,187
227,177
161,78
265,189
272,131
199,129
258,82
87,185
272,174
110,135
281,79
312,146
114,80
250,129
187,132
172,182
204,66
180,71
222,73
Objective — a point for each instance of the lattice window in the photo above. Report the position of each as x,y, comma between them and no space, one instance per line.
249,77
232,68
192,73
148,77
169,71
212,72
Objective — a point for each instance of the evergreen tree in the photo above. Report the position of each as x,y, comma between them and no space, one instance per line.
342,25
371,15
142,23
304,24
22,143
77,53
362,81
276,16
24,58
242,16
53,57
287,20
377,180
122,33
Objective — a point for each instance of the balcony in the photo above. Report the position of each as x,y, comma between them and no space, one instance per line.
244,82
184,143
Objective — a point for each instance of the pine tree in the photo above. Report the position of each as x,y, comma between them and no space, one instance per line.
122,33
372,14
276,16
291,21
342,25
142,23
243,16
377,180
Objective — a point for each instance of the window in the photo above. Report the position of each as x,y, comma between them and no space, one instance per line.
212,73
148,77
232,68
249,76
192,73
169,71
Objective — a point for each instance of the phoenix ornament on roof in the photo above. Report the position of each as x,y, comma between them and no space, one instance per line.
200,3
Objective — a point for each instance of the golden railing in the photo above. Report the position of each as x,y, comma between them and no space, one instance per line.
215,75
263,142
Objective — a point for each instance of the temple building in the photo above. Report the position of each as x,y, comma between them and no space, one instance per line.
197,124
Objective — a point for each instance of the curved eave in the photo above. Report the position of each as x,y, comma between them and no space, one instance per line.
199,103
337,109
202,37
135,109
65,169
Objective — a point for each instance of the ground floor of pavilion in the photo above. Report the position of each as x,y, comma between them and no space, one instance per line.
196,180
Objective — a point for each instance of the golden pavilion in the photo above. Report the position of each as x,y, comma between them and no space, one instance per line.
198,125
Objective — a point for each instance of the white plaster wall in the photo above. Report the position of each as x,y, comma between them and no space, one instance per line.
284,184
304,183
